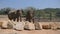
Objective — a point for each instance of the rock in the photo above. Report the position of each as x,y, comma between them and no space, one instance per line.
19,26
29,26
7,24
46,26
10,25
4,24
16,25
38,26
58,25
1,24
54,25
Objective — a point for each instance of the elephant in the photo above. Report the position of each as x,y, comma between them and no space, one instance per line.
15,14
30,16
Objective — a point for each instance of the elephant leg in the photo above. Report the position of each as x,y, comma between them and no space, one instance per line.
26,19
20,19
29,20
33,20
17,19
14,19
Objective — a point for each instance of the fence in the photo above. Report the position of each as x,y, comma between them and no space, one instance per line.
48,19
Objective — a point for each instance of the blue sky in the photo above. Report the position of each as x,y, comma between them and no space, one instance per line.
41,4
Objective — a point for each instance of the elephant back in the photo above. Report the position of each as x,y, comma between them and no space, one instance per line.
12,11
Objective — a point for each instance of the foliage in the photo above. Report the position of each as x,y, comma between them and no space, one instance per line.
4,11
44,13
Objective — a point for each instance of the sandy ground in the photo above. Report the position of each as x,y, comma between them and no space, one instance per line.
11,31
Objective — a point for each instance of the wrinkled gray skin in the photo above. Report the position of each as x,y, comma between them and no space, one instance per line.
15,14
30,16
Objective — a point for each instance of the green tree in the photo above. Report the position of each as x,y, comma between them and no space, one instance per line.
5,10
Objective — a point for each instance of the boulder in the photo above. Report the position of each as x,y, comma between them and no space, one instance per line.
46,26
4,24
29,26
10,25
16,25
7,24
38,26
1,24
19,26
58,25
54,26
